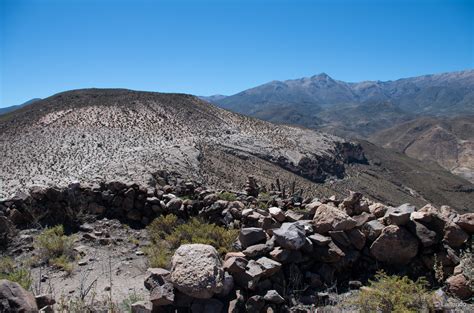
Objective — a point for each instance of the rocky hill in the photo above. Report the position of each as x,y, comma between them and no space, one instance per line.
109,134
447,141
355,109
16,107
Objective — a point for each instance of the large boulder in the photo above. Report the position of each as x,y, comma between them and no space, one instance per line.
196,270
13,298
290,236
395,245
329,218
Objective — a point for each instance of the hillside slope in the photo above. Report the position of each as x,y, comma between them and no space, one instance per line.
111,134
447,141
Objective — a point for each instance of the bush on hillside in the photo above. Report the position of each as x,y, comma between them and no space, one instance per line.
394,294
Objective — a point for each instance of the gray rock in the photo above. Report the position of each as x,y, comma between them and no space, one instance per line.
174,204
290,236
319,239
399,215
372,229
273,296
251,235
196,270
395,245
269,266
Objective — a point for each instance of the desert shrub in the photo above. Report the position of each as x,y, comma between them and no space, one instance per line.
394,294
167,235
56,248
63,263
159,254
227,196
17,274
197,231
467,266
162,226
126,304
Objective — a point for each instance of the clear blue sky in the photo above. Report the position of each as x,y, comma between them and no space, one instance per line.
209,47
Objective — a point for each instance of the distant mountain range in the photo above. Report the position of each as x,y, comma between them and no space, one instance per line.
355,109
16,107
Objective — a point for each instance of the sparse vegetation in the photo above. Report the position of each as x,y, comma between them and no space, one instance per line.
159,254
167,234
467,265
227,196
394,294
56,248
126,305
162,226
9,270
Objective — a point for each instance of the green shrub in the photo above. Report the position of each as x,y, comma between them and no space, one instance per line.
167,235
227,196
56,248
394,294
162,226
196,231
63,263
20,275
159,254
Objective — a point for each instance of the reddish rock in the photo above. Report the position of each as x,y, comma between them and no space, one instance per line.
458,285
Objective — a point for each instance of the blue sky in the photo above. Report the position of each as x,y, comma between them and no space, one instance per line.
209,47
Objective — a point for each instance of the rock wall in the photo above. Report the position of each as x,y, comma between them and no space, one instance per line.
289,249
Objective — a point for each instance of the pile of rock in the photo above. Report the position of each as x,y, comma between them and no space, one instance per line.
128,202
285,259
290,250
